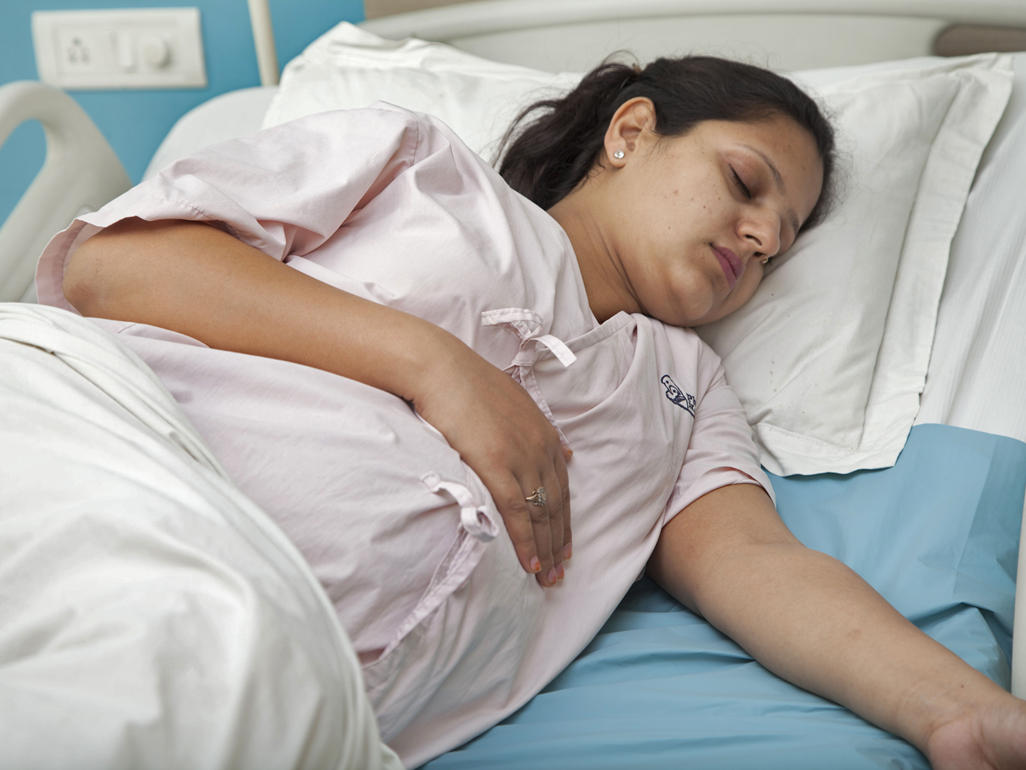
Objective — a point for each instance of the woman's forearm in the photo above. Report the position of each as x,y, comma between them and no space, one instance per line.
810,619
198,280
814,622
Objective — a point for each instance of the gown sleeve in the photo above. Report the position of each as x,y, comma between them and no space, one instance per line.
721,450
285,190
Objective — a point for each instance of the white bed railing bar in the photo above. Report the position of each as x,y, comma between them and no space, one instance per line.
1018,686
80,172
263,41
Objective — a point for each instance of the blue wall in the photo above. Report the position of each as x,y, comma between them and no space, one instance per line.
135,121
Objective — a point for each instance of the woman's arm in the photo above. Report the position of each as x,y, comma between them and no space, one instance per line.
198,280
813,621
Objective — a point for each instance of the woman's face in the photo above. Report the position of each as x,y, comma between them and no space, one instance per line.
695,215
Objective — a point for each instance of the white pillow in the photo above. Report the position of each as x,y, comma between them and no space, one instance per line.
830,357
350,67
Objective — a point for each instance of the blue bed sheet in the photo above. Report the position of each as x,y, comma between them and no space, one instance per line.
937,534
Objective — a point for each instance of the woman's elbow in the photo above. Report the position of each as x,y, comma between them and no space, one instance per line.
83,277
102,272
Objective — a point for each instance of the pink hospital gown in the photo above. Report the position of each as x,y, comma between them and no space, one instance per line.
404,538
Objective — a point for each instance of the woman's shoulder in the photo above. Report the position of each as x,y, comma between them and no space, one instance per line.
685,348
680,337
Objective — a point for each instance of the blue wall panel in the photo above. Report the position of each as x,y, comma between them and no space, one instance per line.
134,121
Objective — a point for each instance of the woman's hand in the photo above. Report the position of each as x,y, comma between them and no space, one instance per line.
989,737
503,436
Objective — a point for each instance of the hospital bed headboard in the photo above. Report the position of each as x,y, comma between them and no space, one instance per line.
782,34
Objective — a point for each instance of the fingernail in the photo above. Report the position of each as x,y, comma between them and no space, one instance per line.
560,572
568,552
535,565
553,576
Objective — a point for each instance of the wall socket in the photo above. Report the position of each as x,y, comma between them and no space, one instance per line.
123,48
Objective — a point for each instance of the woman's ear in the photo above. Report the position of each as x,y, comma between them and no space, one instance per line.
631,125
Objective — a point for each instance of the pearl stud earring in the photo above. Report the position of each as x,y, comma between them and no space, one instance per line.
619,154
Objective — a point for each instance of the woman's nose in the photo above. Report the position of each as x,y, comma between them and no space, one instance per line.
763,231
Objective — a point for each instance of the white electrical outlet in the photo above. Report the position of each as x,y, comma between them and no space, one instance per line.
130,48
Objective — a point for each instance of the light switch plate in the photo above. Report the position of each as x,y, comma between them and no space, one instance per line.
122,48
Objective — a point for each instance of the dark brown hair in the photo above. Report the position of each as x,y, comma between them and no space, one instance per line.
547,157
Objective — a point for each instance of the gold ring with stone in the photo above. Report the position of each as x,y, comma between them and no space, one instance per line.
537,497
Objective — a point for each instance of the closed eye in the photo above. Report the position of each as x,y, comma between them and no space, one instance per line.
741,185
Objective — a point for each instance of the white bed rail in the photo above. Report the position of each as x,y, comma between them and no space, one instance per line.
80,173
1019,622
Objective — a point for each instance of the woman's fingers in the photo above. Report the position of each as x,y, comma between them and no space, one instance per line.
559,515
567,551
519,526
534,503
549,518
509,443
538,520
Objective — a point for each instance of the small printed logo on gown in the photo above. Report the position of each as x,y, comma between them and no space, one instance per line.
684,400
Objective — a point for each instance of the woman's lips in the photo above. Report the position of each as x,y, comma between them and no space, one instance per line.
730,263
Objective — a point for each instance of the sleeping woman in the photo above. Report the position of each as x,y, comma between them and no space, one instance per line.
474,403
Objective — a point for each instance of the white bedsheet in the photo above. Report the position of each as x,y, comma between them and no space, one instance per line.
150,615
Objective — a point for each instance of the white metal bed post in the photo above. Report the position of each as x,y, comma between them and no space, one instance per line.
80,173
1019,618
263,41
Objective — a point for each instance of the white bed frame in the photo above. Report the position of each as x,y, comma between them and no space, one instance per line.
574,35
81,172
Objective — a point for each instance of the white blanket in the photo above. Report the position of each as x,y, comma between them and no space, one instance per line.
150,615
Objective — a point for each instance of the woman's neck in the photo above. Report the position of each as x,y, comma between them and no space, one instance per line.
605,283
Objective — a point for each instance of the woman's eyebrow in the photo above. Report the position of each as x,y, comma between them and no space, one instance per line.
793,218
